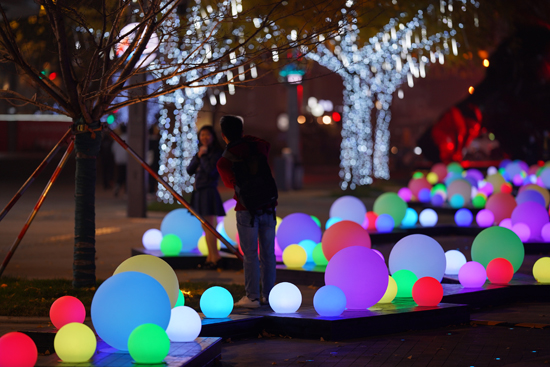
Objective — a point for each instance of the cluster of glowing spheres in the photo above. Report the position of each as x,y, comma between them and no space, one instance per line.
455,259
151,239
185,324
216,302
148,344
472,275
329,301
361,273
75,342
501,205
405,280
294,256
171,245
410,219
285,298
500,271
541,270
391,291
344,234
183,224
428,218
17,349
297,227
308,246
496,242
427,291
348,208
65,310
390,203
485,218
420,254
463,217
533,214
384,223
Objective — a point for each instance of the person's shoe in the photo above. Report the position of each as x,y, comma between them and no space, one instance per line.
246,302
264,301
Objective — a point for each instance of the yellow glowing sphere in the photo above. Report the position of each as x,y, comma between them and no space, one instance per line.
294,256
75,342
541,270
432,178
203,247
279,220
391,291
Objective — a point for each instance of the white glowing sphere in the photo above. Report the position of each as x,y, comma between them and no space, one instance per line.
428,218
455,260
151,239
285,298
185,324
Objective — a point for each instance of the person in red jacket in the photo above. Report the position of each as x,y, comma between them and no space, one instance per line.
251,225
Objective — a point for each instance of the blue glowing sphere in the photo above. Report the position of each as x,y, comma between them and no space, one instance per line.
285,298
331,221
309,246
329,301
455,260
463,217
424,195
437,200
420,254
184,225
428,218
297,227
384,223
410,219
530,195
216,303
125,301
348,208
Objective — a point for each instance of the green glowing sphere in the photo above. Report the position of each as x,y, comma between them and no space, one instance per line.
494,242
418,174
541,270
181,299
294,256
318,256
479,201
148,343
405,280
454,167
75,342
170,245
316,220
391,292
390,203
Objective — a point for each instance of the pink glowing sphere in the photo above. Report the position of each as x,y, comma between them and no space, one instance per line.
522,230
344,234
506,223
361,274
416,184
295,228
65,310
17,350
502,205
472,275
500,271
533,214
440,169
486,188
405,194
545,232
485,218
427,291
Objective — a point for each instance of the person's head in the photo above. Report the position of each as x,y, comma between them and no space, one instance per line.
232,127
207,137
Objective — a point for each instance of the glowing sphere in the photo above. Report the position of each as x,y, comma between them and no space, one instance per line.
203,246
543,191
454,167
522,230
405,194
361,273
216,303
230,224
151,239
316,220
460,187
440,169
486,188
17,350
65,310
391,291
496,242
475,174
420,254
294,256
532,214
463,217
405,280
285,298
427,292
181,299
332,220
148,344
371,220
170,245
416,184
506,187
541,270
418,174
185,324
455,259
424,195
497,181
390,203
184,225
344,234
437,200
410,219
545,177
348,208
297,227
379,253
318,255
485,218
427,218
530,195
500,271
545,232
472,275
432,178
329,301
479,201
125,301
440,189
75,342
309,246
384,223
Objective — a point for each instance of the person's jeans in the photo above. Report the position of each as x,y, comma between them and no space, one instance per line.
262,269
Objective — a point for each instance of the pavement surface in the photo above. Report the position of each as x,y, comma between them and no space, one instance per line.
512,335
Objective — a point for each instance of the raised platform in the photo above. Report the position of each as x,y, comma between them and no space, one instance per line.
191,260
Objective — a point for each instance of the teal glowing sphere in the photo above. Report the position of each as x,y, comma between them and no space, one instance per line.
405,280
170,245
148,344
318,255
329,301
331,221
456,201
495,242
410,219
181,299
309,246
216,303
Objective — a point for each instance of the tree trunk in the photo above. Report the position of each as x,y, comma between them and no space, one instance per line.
87,145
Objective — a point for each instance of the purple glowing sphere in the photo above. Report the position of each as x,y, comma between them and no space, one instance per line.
297,227
522,230
506,223
437,200
485,218
530,195
545,232
405,194
533,214
472,275
424,195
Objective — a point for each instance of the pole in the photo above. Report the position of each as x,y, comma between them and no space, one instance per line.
174,193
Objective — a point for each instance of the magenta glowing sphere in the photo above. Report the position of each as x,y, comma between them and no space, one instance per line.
486,188
297,227
344,234
440,169
485,218
472,275
405,194
533,214
506,223
427,292
420,254
17,350
522,230
517,180
360,273
500,271
545,232
65,310
463,217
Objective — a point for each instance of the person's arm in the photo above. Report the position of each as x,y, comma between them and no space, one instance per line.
208,164
193,165
226,173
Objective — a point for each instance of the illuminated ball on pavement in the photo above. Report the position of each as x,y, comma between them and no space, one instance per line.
530,195
151,239
543,191
405,194
17,350
181,299
230,224
427,292
545,177
185,324
502,205
329,301
497,181
75,342
472,275
420,254
522,230
348,208
485,218
479,201
437,200
541,270
294,256
203,246
405,280
184,225
309,246
496,242
344,234
371,220
361,273
125,301
171,245
463,217
456,201
428,218
384,223
455,260
390,203
285,298
416,184
500,271
440,169
461,187
485,188
545,232
432,178
391,291
297,227
216,303
148,344
318,255
410,219
424,195
532,214
65,310
331,221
